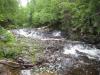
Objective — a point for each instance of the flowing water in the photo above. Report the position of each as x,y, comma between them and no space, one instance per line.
64,56
75,48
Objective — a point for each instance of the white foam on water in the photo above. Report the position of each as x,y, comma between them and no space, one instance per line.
25,72
56,33
22,32
28,33
92,53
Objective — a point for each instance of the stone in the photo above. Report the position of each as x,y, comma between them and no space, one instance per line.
9,68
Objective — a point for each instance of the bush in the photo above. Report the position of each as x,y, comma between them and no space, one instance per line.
8,47
6,36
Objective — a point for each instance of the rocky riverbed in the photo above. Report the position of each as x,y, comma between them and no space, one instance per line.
60,56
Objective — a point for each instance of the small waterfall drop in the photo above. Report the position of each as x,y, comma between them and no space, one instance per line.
31,33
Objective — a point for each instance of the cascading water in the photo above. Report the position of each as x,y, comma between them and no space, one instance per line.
31,33
66,57
82,48
35,33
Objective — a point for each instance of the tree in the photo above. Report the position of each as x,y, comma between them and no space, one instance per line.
86,16
8,8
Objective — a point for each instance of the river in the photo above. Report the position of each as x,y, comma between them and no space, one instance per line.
64,56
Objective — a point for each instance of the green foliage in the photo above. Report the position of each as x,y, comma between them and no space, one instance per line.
52,12
8,8
78,14
21,18
9,51
85,16
6,36
11,48
7,41
44,12
62,14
